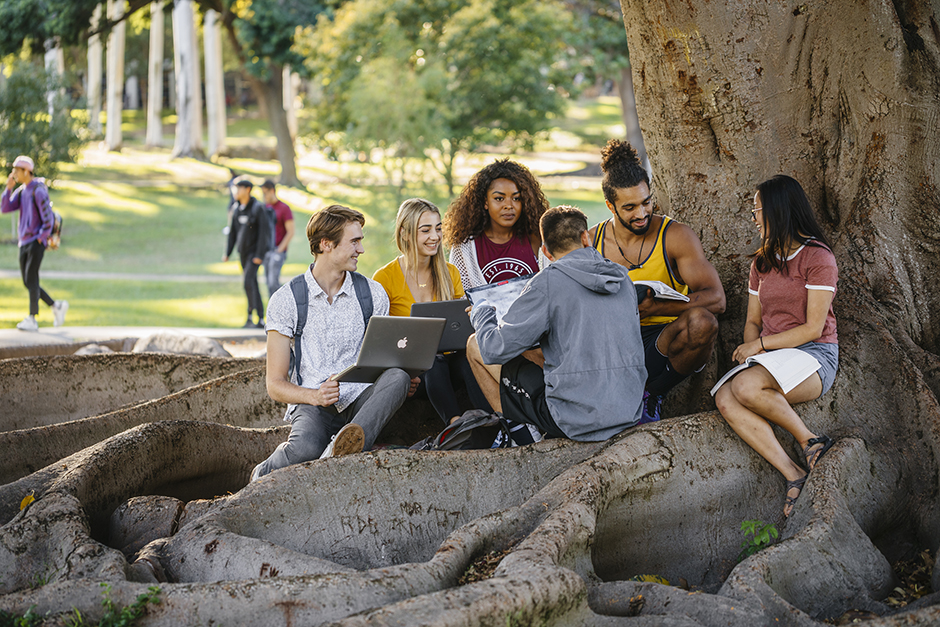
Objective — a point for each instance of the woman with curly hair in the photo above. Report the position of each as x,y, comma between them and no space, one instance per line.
492,228
419,275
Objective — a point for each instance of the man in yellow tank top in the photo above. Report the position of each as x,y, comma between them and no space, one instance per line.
678,337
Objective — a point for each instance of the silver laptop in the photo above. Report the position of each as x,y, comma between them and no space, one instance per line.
457,329
395,342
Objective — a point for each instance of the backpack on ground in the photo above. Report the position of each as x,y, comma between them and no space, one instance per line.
298,286
475,429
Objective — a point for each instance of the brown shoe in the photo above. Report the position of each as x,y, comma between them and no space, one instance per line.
347,441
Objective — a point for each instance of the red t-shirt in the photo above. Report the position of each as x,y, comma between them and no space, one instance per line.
283,213
783,296
500,262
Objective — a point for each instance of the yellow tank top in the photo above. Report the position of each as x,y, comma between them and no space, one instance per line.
655,267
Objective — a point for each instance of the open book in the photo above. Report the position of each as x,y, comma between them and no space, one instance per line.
660,290
789,366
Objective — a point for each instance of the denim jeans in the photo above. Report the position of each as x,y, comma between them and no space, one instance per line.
312,427
273,261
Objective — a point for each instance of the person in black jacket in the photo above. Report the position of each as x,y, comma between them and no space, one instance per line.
249,232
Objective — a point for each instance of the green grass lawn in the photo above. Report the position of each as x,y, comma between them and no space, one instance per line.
138,212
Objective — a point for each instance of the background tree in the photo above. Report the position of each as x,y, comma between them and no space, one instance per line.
261,33
598,47
26,127
490,66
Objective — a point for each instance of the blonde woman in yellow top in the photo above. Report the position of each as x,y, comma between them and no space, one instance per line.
419,275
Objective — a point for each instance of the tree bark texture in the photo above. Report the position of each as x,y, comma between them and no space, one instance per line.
114,137
215,87
93,91
188,142
841,96
271,92
155,74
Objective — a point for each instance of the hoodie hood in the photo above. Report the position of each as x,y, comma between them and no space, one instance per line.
590,269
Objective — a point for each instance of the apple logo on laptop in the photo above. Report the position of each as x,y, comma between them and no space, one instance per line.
403,342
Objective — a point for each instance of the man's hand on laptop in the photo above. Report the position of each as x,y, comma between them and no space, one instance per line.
414,386
327,393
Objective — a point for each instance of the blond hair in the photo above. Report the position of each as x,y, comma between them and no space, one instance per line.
406,238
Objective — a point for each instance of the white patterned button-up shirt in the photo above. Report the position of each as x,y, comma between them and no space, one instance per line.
333,333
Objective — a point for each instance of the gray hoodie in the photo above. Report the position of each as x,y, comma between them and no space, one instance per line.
582,310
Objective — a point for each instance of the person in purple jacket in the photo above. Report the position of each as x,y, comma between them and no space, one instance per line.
31,199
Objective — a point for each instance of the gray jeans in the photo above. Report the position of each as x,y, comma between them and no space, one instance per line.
313,427
273,261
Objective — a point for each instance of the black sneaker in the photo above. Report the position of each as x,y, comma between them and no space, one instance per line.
249,325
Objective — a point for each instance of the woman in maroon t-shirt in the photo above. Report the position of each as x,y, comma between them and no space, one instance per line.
791,287
492,228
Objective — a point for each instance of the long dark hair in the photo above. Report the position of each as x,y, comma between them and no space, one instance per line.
787,218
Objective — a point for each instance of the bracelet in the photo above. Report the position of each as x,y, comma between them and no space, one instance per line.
762,344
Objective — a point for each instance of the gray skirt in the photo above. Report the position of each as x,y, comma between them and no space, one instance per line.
828,357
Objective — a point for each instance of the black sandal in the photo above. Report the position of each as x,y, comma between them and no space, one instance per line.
812,457
791,500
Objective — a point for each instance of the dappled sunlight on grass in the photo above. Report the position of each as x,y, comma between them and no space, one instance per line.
116,196
84,254
129,303
138,211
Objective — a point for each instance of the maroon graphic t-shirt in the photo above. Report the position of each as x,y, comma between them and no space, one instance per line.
500,262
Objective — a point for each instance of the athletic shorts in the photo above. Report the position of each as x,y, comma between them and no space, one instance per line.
522,394
655,360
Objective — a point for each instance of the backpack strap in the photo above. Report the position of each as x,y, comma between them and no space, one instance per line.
364,294
298,287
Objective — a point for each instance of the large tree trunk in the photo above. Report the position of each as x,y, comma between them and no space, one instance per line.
93,89
188,141
114,138
155,74
271,92
630,118
215,88
844,98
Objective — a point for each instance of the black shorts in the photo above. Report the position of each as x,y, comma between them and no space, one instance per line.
522,394
655,360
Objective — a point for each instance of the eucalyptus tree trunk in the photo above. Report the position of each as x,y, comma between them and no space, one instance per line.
630,118
114,138
93,89
215,87
290,80
188,141
155,77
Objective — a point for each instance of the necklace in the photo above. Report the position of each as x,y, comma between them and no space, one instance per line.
632,266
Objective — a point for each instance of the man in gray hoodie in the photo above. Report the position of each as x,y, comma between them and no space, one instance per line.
582,311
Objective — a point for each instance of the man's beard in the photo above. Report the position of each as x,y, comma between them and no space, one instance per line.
635,231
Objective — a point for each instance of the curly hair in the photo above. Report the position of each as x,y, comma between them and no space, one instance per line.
622,168
467,216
